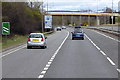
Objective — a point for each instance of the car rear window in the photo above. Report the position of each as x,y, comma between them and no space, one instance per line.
77,30
35,36
77,27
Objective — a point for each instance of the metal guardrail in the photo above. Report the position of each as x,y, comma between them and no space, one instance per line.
49,32
107,31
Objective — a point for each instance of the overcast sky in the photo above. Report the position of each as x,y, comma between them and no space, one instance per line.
80,4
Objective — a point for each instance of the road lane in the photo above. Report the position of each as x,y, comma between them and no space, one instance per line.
109,46
28,63
76,59
80,59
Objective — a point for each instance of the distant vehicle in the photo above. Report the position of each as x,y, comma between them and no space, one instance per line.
78,33
36,40
70,25
58,28
77,27
63,27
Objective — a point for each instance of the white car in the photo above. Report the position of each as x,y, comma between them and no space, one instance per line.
58,28
36,40
63,27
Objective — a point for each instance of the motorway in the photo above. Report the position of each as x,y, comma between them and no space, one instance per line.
94,57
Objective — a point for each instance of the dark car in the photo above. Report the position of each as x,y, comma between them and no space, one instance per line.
78,33
77,27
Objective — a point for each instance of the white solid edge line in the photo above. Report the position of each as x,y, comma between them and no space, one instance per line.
111,61
14,48
50,61
118,70
13,51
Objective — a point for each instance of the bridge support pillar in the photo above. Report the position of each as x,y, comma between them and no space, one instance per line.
105,19
71,19
88,20
80,21
97,20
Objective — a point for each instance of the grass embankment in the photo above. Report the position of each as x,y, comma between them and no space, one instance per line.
15,40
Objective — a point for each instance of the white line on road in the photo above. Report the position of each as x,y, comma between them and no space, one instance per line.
107,36
111,61
49,63
45,68
101,51
118,70
52,58
12,50
43,72
41,76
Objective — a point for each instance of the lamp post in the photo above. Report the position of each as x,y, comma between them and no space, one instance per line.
112,15
42,18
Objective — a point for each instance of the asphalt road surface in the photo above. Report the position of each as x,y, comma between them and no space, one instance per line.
73,59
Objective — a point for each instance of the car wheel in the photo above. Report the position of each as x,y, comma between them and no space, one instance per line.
29,47
43,47
82,38
72,38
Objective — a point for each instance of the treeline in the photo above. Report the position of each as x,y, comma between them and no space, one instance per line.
24,17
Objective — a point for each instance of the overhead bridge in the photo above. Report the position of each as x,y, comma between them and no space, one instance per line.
82,14
97,15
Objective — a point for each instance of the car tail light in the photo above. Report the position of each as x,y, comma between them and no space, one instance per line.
28,39
42,39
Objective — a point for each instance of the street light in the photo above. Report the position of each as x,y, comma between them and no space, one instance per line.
42,18
47,7
112,15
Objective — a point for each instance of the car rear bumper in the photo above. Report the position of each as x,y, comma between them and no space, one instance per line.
36,44
58,29
75,36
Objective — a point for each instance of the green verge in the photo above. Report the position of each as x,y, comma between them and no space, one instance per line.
16,40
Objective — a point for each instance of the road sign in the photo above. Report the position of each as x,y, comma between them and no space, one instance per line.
48,21
5,28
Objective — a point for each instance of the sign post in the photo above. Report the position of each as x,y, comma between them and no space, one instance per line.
5,28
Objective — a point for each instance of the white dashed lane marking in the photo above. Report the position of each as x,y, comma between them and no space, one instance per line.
52,58
103,53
